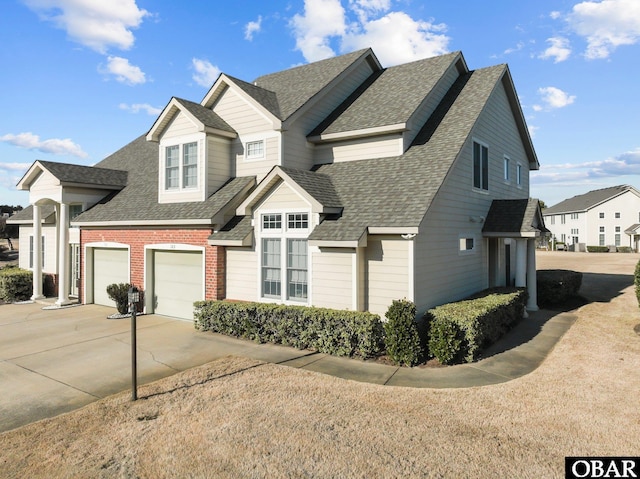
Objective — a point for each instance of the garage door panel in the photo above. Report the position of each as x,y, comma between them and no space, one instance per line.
178,282
109,266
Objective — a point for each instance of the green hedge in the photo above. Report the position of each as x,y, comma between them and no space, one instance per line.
459,330
337,332
15,284
597,249
555,286
625,249
401,333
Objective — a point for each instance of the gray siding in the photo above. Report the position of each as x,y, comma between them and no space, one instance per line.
459,274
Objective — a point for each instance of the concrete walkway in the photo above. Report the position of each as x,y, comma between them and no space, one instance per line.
56,360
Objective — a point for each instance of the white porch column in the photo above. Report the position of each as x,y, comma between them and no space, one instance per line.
37,254
63,255
532,287
521,263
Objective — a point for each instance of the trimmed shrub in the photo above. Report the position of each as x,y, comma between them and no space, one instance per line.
555,286
625,249
401,333
330,331
597,249
15,284
460,330
636,281
119,292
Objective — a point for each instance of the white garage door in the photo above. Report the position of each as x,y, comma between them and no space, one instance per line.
177,282
109,266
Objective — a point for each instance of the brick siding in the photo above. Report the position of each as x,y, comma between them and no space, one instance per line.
137,239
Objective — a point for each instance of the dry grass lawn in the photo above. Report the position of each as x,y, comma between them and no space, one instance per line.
239,418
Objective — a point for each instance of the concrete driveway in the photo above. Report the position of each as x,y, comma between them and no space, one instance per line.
55,361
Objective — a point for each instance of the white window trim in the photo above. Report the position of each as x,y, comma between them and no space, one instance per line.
262,156
284,234
42,252
168,193
465,237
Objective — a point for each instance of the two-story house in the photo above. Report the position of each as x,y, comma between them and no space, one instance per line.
336,184
605,217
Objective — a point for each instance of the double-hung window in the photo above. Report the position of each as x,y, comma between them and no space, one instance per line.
507,173
480,166
190,165
181,166
285,256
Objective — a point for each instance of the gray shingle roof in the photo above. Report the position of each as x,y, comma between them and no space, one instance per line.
138,201
587,201
397,192
266,98
513,216
317,185
26,215
87,175
237,229
389,97
296,86
207,116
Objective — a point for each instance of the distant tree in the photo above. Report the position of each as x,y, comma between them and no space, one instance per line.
7,231
542,204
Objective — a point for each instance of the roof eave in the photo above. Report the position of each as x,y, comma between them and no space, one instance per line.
363,133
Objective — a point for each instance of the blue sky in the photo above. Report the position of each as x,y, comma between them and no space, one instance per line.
81,78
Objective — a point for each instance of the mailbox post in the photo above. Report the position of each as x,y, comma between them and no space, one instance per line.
134,297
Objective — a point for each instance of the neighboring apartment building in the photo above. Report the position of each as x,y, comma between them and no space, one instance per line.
604,217
336,184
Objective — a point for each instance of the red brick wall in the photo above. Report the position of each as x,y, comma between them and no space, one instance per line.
138,238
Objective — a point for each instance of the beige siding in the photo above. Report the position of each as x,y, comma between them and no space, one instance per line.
332,283
387,272
240,115
257,168
219,163
360,149
283,198
298,151
179,126
242,274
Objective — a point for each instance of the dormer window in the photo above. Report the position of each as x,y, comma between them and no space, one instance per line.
255,150
181,174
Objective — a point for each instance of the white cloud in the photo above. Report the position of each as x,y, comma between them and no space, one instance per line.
559,49
138,107
555,15
205,73
124,71
54,146
519,46
251,28
367,8
96,24
395,36
624,164
606,25
553,98
322,20
532,130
